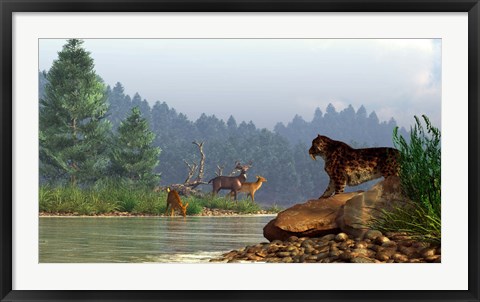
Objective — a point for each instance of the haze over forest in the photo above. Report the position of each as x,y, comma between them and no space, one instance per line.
270,80
280,155
235,126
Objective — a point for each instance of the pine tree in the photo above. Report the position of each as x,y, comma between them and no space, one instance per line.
134,158
73,131
119,104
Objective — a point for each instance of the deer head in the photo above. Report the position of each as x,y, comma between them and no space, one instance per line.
184,209
243,168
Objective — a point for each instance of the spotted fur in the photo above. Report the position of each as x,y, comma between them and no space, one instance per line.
348,166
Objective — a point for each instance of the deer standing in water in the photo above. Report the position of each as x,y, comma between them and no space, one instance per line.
233,183
251,187
174,202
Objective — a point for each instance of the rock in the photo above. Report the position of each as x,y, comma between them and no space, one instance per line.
341,237
411,252
347,256
355,214
372,234
364,252
311,219
434,258
382,256
261,253
427,252
389,244
287,260
327,237
283,254
381,240
361,245
292,238
362,260
400,258
254,257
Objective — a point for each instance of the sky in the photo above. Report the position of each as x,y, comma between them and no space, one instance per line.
271,80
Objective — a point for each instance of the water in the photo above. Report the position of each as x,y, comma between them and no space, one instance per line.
145,239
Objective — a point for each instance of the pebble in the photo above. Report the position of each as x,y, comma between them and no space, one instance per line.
400,258
381,239
362,260
382,256
283,254
434,258
372,234
375,247
341,237
428,252
327,237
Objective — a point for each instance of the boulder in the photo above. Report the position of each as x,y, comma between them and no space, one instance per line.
347,212
353,217
311,219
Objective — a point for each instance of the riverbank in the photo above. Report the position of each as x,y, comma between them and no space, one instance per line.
115,201
207,212
375,247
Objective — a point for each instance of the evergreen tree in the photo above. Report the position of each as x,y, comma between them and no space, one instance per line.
134,158
73,131
142,105
120,104
232,124
42,81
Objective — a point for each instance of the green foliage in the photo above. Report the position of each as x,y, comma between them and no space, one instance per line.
133,156
420,174
275,208
116,196
241,206
73,129
413,219
194,206
420,163
72,200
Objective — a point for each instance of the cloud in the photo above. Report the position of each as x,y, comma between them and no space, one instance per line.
393,77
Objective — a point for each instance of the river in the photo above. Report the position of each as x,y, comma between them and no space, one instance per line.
145,239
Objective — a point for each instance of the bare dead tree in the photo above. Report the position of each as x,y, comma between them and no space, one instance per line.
201,169
219,171
192,181
192,168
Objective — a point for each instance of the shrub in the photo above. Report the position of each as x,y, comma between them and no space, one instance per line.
420,175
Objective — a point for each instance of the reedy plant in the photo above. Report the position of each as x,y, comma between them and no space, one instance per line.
420,163
420,176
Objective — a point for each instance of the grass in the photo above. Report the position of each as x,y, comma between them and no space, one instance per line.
420,175
113,198
413,219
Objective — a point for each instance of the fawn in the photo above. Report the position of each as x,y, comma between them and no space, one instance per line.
251,187
173,200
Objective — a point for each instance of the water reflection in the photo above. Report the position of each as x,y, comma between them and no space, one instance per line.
145,239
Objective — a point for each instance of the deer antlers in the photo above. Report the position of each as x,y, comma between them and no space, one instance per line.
239,166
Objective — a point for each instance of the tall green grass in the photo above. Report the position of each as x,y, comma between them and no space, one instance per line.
112,197
420,174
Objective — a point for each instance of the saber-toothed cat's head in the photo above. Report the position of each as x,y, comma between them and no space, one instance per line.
319,145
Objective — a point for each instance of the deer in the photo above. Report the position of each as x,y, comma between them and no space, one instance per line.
251,187
174,202
233,183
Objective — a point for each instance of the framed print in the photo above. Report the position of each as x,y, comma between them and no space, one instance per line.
239,150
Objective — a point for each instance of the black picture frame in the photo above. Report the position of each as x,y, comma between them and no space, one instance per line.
8,7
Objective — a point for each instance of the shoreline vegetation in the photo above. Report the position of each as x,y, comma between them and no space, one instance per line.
124,201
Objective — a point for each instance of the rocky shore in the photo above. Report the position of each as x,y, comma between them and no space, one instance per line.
374,247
